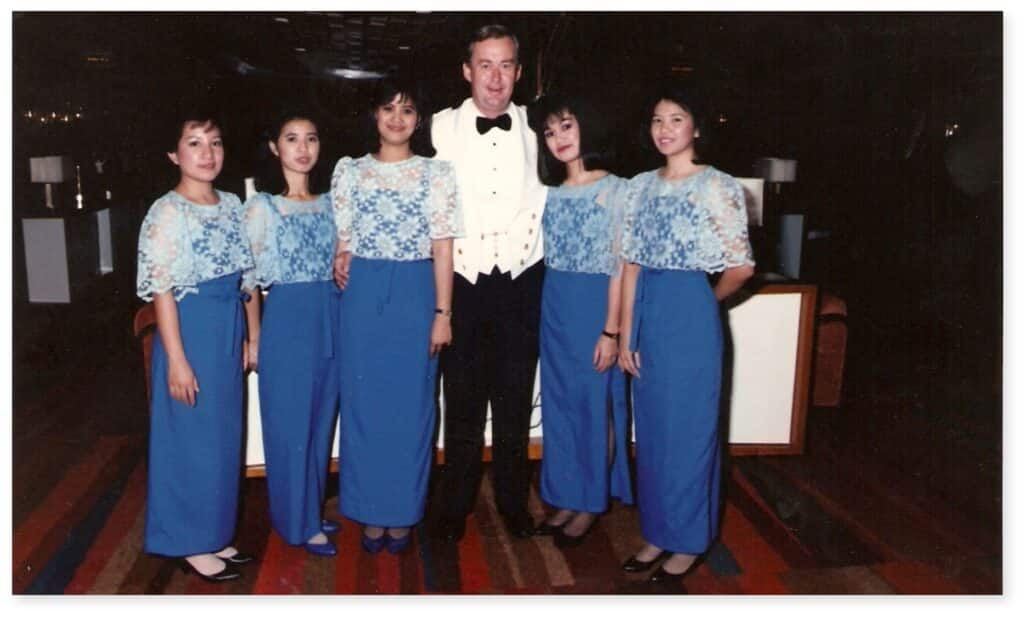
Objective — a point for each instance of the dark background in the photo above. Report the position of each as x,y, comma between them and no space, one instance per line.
864,102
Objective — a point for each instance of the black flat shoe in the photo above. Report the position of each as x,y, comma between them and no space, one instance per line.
519,525
229,573
238,558
661,576
564,540
635,565
546,529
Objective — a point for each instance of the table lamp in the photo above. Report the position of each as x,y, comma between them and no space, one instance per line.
49,170
776,171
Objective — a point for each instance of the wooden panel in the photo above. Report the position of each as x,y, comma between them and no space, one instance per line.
802,378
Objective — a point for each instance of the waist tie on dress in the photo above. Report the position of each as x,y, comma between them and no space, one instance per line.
236,298
638,312
384,293
329,293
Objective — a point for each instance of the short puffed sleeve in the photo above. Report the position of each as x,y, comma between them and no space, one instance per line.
342,201
164,259
258,222
727,218
444,207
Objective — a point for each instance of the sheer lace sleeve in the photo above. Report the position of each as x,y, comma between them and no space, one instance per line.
614,200
727,216
630,196
444,208
261,242
163,258
342,181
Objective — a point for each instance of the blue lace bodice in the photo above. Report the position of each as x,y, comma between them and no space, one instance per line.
393,210
182,243
583,225
292,241
697,223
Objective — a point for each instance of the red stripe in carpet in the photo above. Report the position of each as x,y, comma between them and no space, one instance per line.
766,583
121,519
346,567
62,500
78,504
409,565
472,563
747,546
388,574
768,525
281,568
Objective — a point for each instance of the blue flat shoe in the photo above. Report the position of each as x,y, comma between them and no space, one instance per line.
327,549
373,545
329,526
397,545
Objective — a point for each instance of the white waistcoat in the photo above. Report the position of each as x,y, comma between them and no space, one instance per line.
502,198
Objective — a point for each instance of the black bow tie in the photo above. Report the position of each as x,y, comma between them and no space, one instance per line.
503,122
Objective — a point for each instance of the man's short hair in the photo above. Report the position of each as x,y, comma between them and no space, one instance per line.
491,31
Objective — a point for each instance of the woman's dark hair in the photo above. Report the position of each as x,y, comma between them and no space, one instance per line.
269,176
406,89
690,100
180,117
170,124
596,148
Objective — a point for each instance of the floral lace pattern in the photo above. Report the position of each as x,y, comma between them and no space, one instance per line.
292,241
583,225
698,223
393,210
182,244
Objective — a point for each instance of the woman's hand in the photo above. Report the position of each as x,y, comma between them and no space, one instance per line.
440,333
250,355
181,382
629,361
606,350
342,263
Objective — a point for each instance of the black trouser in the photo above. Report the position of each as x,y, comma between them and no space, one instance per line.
493,357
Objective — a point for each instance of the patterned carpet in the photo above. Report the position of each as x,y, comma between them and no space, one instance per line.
899,492
780,535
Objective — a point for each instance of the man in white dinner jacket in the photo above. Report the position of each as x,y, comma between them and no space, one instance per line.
496,296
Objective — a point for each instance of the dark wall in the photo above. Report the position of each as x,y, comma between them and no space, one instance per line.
862,101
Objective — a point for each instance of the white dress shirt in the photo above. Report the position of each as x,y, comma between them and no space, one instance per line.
502,197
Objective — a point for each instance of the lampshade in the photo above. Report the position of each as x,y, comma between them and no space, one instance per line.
776,170
50,169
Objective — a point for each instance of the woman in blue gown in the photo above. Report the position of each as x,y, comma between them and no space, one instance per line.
396,213
192,252
684,221
584,399
291,233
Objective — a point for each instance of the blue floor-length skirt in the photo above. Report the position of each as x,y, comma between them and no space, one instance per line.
578,403
387,391
298,385
677,331
195,452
